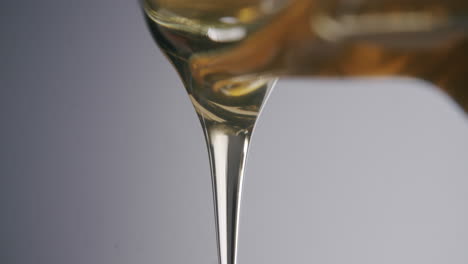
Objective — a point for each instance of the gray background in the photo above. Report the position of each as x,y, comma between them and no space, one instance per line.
102,159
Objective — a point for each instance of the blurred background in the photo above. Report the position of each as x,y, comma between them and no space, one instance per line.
102,159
